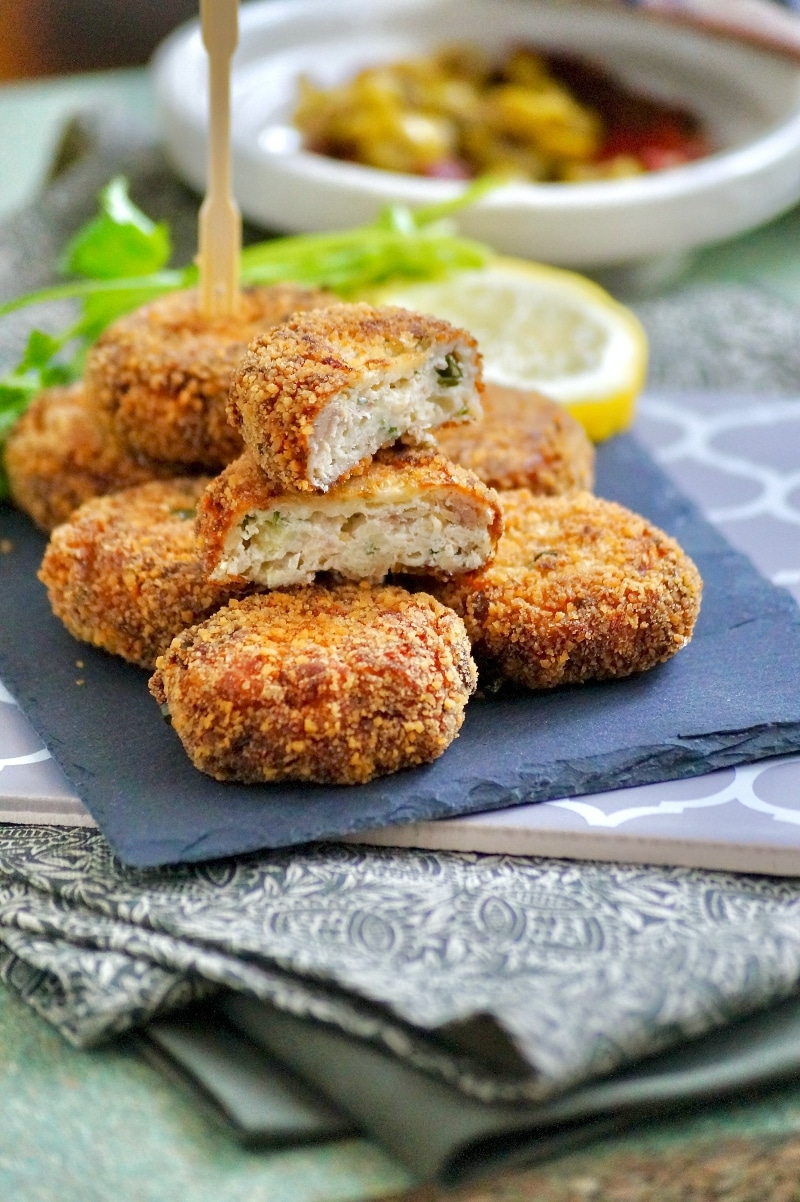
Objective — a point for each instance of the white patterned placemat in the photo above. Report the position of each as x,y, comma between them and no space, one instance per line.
739,458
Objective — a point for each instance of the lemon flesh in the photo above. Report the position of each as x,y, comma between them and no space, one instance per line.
544,330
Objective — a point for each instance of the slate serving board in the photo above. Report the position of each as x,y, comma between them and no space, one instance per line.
730,697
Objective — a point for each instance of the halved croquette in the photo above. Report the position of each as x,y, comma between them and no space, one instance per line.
318,396
409,510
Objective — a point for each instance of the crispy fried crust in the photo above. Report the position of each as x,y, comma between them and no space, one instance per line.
123,572
523,440
63,451
418,474
290,375
580,589
163,372
335,685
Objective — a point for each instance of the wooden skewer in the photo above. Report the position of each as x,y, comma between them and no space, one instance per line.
220,223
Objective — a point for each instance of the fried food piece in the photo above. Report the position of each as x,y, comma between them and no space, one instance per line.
321,394
124,574
523,440
334,685
411,510
63,451
163,372
580,589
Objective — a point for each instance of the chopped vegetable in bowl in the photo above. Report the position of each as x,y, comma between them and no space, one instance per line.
458,114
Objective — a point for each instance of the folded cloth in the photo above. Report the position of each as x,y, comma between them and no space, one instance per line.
252,1066
512,979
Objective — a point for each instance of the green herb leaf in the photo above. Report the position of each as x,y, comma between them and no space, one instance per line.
121,242
126,289
452,373
399,244
40,350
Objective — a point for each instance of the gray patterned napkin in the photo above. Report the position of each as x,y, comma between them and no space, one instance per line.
511,979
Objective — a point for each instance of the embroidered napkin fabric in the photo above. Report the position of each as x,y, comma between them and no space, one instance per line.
512,979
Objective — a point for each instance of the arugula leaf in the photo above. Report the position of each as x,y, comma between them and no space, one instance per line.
399,244
355,260
36,370
121,242
40,350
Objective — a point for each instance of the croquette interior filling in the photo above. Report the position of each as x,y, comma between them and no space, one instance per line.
360,540
381,409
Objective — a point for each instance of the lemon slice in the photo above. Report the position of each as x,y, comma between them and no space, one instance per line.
543,329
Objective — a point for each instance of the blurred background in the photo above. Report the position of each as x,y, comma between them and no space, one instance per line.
54,37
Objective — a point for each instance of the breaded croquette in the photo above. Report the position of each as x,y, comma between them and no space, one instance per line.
319,395
410,510
63,451
336,686
523,440
163,372
123,573
580,589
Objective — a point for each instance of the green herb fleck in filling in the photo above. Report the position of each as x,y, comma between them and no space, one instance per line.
452,373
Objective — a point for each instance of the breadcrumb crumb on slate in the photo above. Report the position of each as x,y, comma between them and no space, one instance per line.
319,395
523,440
124,574
163,372
336,685
410,510
63,450
580,589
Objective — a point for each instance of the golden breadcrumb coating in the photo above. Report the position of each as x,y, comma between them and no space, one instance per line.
409,510
580,589
63,450
163,372
319,395
334,685
123,573
523,440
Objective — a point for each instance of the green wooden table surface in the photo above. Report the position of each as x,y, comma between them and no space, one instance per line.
103,1125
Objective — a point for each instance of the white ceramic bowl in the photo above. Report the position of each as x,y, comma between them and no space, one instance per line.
749,99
